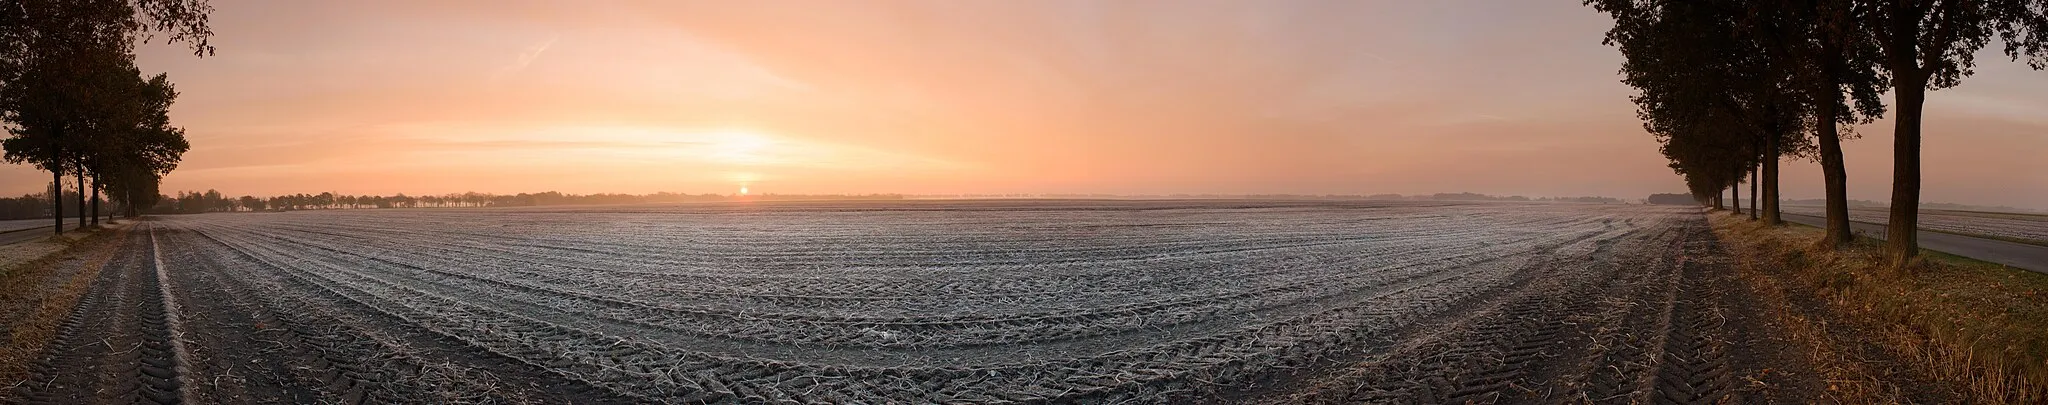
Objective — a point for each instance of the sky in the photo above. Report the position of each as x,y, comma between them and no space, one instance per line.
944,97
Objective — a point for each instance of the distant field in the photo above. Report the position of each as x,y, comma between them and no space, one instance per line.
2029,227
913,301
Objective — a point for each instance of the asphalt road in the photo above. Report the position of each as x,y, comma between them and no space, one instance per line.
19,235
2019,255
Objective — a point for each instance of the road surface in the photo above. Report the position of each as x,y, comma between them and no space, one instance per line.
2019,255
20,235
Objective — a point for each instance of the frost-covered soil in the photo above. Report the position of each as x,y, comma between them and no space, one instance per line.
2016,226
914,301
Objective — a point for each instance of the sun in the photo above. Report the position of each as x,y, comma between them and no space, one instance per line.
743,189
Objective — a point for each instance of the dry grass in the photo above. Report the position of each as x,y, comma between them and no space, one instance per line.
1981,329
36,297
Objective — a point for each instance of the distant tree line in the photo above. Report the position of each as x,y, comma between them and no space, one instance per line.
1484,197
193,202
74,103
1673,199
1730,87
33,206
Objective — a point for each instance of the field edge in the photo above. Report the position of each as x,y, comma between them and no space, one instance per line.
40,292
1950,328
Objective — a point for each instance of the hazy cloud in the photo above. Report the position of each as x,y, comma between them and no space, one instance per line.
525,58
940,96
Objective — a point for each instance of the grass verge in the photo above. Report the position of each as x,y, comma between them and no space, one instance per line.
1978,331
36,296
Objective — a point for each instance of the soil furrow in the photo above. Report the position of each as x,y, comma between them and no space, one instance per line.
117,346
993,302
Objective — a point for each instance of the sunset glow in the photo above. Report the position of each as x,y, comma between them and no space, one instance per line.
1004,201
917,97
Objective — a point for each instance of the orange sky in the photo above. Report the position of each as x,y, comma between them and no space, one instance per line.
1349,97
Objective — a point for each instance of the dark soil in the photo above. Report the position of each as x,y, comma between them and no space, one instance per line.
246,346
1658,319
1669,328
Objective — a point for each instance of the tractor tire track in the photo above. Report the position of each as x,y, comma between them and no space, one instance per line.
1696,367
1507,304
1651,332
119,345
315,350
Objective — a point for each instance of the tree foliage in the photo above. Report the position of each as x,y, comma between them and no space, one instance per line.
1711,71
72,99
1835,71
1930,45
1710,88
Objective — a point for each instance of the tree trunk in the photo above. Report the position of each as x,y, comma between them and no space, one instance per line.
1901,239
1753,196
95,200
57,199
1832,169
1836,175
80,175
1769,205
1735,197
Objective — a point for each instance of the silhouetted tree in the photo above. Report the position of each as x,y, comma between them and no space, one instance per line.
1747,57
136,143
1735,194
1671,199
1789,66
49,104
1710,90
213,201
24,207
54,59
1929,45
1754,173
1830,57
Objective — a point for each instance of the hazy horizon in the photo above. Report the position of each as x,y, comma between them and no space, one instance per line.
1516,98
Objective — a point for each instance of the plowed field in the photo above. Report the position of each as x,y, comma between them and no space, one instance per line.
912,302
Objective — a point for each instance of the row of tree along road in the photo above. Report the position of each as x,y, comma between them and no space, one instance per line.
1730,87
74,103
